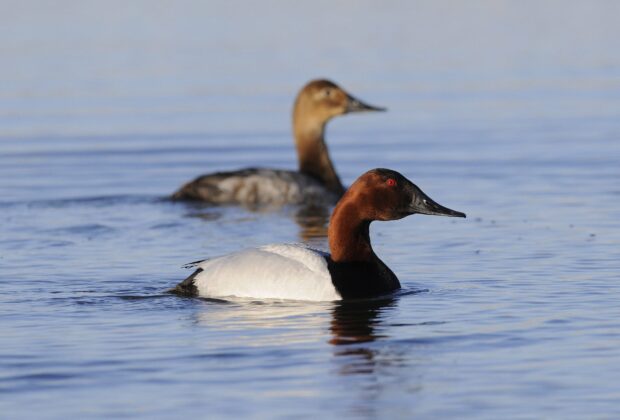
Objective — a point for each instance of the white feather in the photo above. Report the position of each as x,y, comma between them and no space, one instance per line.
283,271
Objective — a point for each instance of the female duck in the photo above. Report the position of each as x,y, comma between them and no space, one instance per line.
353,270
316,182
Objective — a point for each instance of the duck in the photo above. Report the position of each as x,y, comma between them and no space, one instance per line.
316,181
352,270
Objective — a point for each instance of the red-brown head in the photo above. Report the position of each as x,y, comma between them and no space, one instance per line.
379,194
384,194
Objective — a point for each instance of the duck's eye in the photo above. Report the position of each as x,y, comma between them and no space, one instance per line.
391,182
328,92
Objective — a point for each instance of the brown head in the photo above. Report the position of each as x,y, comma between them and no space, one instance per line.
379,194
317,103
321,100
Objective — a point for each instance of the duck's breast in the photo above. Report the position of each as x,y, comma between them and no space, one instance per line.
269,272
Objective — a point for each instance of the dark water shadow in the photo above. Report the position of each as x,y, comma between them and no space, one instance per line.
356,321
360,333
312,221
209,212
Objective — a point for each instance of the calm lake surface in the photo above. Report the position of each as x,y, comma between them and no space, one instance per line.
508,111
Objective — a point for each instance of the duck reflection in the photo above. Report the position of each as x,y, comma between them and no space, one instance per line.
199,210
357,321
351,322
312,221
354,327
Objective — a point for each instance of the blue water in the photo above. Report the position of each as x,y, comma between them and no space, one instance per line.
508,111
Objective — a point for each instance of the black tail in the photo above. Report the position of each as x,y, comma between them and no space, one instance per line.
187,286
194,264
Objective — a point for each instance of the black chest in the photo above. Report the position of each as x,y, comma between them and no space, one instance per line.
362,279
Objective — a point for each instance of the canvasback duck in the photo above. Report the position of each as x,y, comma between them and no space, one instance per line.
316,181
294,271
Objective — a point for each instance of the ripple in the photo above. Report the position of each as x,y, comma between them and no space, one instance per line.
94,201
94,229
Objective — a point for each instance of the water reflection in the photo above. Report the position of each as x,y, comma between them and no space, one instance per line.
207,216
296,322
200,210
364,364
356,321
312,221
351,322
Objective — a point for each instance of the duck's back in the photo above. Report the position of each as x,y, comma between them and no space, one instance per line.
257,186
284,271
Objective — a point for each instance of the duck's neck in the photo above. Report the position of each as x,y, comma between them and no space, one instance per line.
313,155
349,237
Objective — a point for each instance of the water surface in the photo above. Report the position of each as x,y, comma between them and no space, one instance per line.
495,109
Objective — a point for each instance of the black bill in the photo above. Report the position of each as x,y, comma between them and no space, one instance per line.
423,204
355,105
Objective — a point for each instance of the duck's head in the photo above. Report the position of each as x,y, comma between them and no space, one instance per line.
321,100
384,194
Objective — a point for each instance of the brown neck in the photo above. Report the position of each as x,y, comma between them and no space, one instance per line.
312,153
349,238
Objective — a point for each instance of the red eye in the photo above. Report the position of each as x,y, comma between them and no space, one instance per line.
391,182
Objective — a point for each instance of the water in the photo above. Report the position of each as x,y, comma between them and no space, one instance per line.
507,111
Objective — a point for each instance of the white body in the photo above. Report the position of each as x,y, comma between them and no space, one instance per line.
283,271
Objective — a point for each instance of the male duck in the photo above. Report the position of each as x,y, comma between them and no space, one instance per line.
316,182
352,270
